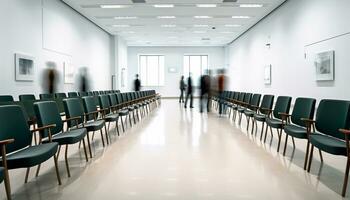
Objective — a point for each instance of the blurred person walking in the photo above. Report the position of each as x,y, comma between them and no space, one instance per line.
189,93
137,83
50,78
182,90
205,89
221,88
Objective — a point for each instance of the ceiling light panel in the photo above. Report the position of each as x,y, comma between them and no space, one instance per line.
206,5
203,17
114,6
166,17
163,5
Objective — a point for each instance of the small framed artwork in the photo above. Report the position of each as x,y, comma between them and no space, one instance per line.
68,70
24,67
172,70
267,75
324,64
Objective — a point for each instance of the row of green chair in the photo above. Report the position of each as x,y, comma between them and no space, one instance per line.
328,131
82,117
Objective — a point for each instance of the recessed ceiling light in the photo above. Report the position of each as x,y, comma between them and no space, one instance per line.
201,25
251,5
168,25
199,32
203,17
206,5
125,17
240,17
121,25
233,25
166,17
163,5
113,6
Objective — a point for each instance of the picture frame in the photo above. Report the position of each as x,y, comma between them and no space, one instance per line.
24,67
69,73
324,65
267,74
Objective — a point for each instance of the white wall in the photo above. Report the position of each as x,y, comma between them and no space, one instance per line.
121,59
51,31
289,29
173,59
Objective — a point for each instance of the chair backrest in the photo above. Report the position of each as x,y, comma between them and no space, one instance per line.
6,98
46,96
282,106
60,95
72,94
241,96
13,125
303,108
26,97
113,99
267,102
90,94
104,102
74,108
47,113
331,116
255,101
89,106
247,97
96,93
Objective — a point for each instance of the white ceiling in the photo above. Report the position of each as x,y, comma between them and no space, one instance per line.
144,28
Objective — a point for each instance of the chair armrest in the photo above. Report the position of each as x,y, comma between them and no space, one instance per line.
346,132
6,142
43,128
310,121
254,106
92,113
266,109
71,119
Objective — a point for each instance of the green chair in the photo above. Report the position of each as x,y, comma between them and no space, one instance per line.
72,94
74,109
94,116
276,120
83,94
47,97
16,143
332,132
27,97
6,98
122,111
108,115
251,109
262,113
47,113
243,106
295,126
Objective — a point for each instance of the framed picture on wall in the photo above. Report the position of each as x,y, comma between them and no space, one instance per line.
24,67
68,71
324,64
267,75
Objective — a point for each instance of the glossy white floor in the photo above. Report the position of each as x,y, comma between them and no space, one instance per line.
182,154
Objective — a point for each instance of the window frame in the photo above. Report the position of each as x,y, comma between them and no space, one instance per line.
159,71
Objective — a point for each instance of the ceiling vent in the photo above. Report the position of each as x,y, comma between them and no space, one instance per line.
138,1
230,1
205,39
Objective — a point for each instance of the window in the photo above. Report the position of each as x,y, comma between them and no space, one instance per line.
195,65
151,70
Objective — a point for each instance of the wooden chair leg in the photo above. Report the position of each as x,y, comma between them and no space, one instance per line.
310,158
85,152
279,133
121,120
37,170
306,154
321,157
103,140
248,121
267,127
66,159
59,150
345,184
7,185
293,142
262,130
89,144
117,126
285,145
107,135
57,171
27,174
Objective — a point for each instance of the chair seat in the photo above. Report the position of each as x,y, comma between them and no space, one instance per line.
131,108
328,144
31,156
69,137
260,117
111,117
241,109
136,106
296,131
123,112
274,123
94,125
249,113
1,174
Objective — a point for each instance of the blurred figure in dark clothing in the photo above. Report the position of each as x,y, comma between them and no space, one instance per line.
83,79
189,92
137,83
221,88
205,87
50,78
182,89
